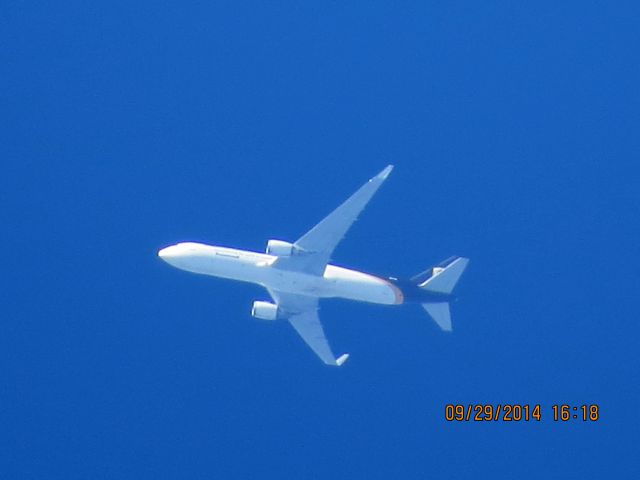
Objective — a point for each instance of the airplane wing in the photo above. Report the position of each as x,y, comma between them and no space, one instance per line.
315,247
302,313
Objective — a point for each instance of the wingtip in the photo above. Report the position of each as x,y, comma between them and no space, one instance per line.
385,173
341,359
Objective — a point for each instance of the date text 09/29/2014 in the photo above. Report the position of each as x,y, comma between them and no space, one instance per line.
513,412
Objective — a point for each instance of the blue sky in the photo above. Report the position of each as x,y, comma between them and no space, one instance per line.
128,126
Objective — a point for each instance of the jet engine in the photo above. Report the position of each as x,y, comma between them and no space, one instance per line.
280,248
264,310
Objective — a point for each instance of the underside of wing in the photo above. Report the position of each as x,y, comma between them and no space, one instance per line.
314,248
308,326
302,314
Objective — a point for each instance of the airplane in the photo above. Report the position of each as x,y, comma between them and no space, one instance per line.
297,275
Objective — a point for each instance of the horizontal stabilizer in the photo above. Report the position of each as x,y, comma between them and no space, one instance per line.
440,314
444,279
431,271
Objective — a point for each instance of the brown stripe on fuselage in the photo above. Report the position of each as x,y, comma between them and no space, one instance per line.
397,292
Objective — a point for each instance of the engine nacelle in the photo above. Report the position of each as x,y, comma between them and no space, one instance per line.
264,310
280,248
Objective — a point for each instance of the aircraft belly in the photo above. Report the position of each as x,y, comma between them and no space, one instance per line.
336,282
229,268
341,283
364,290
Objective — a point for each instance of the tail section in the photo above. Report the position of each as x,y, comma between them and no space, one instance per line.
440,313
444,278
440,281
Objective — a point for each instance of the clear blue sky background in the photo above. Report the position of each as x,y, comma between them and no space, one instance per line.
127,126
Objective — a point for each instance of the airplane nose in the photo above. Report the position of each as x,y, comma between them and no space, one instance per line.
167,252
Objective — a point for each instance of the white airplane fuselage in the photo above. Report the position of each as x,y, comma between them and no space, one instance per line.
254,267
